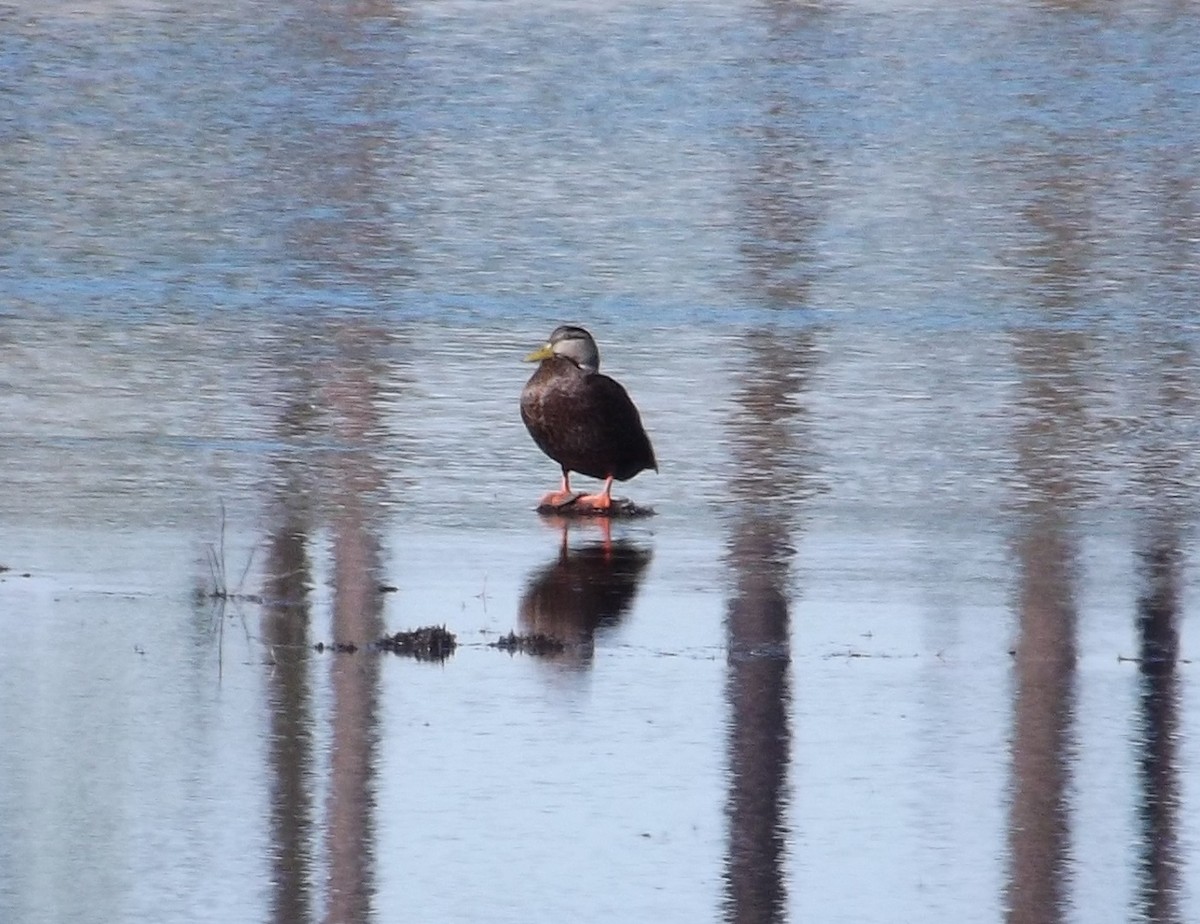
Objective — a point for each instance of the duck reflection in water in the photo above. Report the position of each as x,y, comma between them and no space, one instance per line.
585,588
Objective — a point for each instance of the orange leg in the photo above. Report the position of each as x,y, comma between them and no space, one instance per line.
601,501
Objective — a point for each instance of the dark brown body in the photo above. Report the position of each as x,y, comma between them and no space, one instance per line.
585,421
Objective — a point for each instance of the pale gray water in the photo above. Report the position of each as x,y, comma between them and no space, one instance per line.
906,295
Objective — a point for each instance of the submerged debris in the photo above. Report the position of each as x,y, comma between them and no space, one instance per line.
535,644
335,647
231,597
431,643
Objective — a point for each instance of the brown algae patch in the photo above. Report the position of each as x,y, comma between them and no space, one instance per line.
535,644
430,643
335,647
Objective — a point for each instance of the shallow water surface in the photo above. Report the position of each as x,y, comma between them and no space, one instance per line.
905,295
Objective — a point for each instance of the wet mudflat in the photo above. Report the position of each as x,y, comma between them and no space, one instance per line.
905,296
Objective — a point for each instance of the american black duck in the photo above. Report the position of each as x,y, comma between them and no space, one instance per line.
582,419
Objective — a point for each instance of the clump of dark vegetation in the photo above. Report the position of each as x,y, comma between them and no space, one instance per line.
429,643
535,644
335,647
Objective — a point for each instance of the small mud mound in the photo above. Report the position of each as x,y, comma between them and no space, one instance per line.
431,643
622,509
536,644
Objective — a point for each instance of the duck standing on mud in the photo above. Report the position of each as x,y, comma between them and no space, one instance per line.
583,420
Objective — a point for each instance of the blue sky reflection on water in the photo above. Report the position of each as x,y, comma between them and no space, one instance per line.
904,293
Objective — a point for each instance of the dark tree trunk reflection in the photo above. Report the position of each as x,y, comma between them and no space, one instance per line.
286,619
770,479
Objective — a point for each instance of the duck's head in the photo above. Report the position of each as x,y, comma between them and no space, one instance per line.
570,342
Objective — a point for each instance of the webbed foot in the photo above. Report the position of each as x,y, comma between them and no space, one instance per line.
560,499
